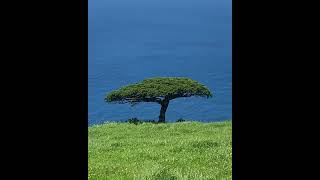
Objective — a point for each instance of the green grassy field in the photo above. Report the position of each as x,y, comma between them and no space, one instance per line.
186,150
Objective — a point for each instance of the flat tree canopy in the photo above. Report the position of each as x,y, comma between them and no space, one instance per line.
160,90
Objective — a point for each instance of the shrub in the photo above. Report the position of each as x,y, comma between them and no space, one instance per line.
134,121
181,120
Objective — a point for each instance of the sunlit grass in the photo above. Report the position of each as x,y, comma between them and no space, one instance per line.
186,150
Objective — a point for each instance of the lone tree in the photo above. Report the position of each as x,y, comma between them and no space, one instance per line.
159,90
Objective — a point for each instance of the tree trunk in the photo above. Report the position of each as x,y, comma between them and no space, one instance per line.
164,106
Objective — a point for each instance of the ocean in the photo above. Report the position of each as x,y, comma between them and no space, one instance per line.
133,40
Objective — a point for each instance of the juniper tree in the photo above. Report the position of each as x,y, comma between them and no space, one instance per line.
158,90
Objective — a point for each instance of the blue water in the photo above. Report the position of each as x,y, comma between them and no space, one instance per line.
130,40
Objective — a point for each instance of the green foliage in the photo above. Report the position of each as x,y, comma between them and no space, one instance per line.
137,121
185,150
134,121
180,120
155,89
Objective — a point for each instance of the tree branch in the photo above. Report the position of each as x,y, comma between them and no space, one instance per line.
136,100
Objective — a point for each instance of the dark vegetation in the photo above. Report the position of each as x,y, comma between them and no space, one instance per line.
159,90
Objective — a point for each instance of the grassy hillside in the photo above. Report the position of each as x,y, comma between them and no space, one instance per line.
187,150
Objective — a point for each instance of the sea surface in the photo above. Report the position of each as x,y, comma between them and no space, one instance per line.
130,40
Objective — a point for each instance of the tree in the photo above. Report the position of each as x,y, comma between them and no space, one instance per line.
159,90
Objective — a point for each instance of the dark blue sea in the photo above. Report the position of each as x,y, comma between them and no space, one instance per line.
130,40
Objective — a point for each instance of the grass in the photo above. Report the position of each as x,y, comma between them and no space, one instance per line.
186,150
